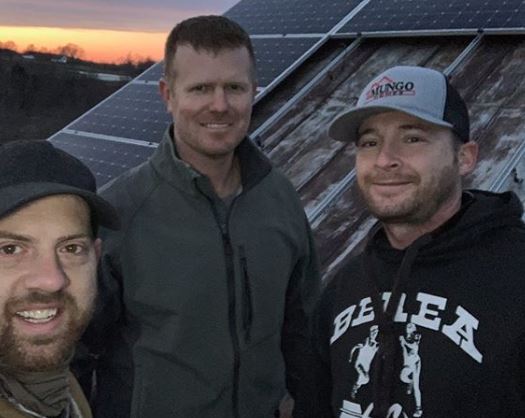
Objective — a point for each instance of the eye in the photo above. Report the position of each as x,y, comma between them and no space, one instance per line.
236,88
413,139
74,249
199,88
366,143
10,249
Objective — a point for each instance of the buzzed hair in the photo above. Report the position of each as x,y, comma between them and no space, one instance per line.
206,33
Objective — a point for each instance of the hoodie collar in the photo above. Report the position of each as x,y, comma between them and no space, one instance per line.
480,212
169,166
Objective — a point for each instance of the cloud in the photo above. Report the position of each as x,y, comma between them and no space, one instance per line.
133,15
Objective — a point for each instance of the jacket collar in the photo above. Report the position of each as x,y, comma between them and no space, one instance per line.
166,162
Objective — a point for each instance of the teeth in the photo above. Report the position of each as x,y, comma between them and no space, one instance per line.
216,125
38,315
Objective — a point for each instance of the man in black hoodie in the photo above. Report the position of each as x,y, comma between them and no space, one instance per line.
441,275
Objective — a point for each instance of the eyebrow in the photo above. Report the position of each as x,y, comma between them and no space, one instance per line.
420,127
17,237
23,238
75,236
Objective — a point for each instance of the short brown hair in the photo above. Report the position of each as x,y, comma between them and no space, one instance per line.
208,33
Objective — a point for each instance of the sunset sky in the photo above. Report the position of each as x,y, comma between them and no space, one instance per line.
107,30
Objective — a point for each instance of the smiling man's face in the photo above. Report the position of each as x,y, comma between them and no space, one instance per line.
407,169
48,261
210,97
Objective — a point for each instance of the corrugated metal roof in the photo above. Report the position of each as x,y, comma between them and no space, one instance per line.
491,77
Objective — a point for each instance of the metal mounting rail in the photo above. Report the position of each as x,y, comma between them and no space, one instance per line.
467,52
307,88
331,196
349,178
499,182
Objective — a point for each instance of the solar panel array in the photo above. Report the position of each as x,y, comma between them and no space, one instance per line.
290,16
123,130
428,15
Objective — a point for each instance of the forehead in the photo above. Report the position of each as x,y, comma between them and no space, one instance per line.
204,64
61,212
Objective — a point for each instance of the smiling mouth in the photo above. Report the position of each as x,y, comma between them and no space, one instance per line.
397,183
38,316
216,125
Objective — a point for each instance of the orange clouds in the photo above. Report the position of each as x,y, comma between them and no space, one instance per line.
99,45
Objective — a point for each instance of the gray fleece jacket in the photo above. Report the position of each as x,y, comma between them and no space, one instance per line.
203,305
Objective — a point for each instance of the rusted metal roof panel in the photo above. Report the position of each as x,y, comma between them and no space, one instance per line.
491,79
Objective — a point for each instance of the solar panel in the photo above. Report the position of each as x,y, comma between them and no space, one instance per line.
135,112
290,16
274,55
412,15
106,159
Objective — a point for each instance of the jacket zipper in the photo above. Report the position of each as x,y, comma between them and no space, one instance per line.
232,317
247,308
228,252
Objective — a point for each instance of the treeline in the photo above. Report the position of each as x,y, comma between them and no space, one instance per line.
40,97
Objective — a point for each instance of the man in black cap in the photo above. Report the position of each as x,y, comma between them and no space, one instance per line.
49,214
441,275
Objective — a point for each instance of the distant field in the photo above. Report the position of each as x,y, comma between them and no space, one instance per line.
40,95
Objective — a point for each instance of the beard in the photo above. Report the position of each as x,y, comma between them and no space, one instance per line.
421,204
42,353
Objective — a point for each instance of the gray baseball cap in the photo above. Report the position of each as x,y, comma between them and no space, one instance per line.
417,91
31,170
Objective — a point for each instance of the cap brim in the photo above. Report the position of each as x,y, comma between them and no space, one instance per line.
14,197
346,125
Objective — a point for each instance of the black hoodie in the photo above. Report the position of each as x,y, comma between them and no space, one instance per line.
452,343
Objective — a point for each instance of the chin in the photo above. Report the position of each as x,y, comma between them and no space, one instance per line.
42,357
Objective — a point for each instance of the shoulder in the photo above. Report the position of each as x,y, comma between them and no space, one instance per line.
128,191
278,187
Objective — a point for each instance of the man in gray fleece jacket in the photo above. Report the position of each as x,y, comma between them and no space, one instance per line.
207,287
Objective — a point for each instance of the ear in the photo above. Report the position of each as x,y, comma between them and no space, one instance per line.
98,248
467,157
165,93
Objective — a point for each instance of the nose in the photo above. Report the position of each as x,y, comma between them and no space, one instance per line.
47,275
219,101
387,157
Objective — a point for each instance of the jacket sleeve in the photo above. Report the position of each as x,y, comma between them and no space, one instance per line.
314,397
302,294
107,315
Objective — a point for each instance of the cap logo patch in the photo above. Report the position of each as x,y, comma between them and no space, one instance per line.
389,87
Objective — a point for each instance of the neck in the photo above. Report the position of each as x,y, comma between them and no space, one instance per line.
402,234
223,171
224,175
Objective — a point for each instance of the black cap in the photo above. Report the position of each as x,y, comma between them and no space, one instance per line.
30,170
